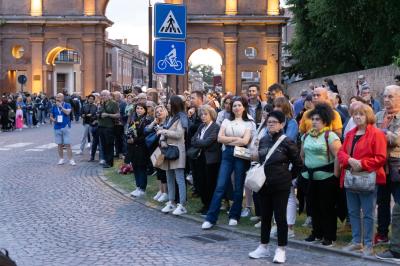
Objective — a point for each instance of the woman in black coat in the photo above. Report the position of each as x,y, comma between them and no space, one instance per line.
273,196
138,153
206,151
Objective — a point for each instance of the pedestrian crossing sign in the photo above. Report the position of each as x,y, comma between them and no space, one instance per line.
170,21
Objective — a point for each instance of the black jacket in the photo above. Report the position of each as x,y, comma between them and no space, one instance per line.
209,144
279,177
89,109
138,153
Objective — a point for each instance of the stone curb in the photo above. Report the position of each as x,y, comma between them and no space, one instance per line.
293,242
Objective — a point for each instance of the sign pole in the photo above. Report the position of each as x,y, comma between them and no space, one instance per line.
150,84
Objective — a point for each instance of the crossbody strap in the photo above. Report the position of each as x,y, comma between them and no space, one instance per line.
271,151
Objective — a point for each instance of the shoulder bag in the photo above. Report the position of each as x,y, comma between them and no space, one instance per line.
170,152
359,181
255,177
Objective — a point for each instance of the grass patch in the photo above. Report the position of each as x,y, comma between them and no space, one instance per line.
127,183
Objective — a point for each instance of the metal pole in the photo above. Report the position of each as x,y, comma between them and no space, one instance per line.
150,85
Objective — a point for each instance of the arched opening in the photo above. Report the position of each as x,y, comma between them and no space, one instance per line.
64,70
205,70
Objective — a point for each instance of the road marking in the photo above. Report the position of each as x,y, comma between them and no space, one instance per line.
34,150
47,146
4,149
76,147
19,145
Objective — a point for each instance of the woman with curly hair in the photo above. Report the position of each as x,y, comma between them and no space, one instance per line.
319,150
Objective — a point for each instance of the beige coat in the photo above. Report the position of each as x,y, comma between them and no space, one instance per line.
175,135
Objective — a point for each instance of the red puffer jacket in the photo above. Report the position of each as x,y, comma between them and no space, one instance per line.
370,149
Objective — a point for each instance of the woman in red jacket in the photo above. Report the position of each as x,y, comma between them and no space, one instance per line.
363,150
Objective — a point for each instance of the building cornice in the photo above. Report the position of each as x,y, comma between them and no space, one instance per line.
54,20
238,19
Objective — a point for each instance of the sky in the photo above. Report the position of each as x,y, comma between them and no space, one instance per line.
130,19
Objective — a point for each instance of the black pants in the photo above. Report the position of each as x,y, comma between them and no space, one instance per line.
207,179
322,197
162,176
94,131
383,200
195,175
274,202
119,139
107,141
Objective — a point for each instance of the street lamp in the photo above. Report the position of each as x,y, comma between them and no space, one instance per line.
150,85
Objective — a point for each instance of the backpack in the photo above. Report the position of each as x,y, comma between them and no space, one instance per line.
5,259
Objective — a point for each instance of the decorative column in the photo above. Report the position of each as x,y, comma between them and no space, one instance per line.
273,45
89,64
89,8
36,8
231,7
99,61
273,7
37,64
230,64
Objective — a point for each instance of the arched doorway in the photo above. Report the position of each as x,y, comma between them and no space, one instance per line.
64,71
205,70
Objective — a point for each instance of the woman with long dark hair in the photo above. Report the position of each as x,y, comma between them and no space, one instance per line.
235,131
137,151
173,133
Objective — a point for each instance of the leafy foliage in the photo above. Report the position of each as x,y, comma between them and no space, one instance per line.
337,36
206,71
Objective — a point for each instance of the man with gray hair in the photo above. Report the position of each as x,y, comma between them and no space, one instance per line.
108,114
388,121
60,116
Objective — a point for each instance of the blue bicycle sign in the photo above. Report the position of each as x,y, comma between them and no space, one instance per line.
169,57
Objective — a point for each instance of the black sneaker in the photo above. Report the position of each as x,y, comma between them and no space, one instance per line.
107,166
327,243
311,238
91,160
389,256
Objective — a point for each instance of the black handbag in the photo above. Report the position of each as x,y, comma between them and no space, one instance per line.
171,152
193,153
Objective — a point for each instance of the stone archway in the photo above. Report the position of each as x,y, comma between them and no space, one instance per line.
231,27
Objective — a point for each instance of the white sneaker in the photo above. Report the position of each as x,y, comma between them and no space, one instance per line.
246,212
280,255
140,193
232,222
88,145
78,152
262,251
163,197
102,162
206,225
157,196
274,231
291,233
72,162
258,225
189,178
179,210
60,162
135,192
169,207
255,219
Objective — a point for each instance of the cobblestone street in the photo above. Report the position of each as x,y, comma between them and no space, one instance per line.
64,215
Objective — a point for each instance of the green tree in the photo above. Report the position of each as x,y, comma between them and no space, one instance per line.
206,71
336,36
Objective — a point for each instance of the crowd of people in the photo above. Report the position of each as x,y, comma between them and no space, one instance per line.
320,156
26,110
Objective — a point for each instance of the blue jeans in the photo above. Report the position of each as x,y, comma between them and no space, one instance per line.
355,203
29,119
179,176
229,164
140,177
